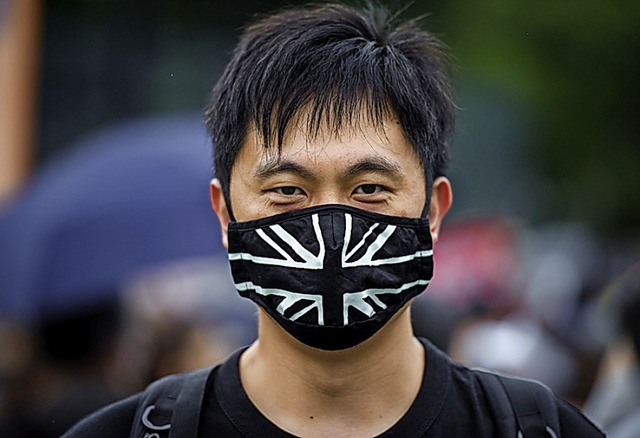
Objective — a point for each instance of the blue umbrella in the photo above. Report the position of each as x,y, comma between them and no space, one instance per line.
125,198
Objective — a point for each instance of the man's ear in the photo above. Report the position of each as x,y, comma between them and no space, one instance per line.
441,199
220,207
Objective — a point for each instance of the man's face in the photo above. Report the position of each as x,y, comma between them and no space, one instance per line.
368,168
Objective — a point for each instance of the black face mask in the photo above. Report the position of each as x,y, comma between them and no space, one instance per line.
331,275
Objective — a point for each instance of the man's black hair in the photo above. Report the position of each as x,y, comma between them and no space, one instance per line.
335,64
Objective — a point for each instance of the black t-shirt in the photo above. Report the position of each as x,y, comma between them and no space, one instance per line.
450,403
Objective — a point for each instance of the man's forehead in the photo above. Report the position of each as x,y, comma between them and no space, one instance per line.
351,152
302,139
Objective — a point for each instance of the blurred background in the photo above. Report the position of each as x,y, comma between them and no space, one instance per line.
111,269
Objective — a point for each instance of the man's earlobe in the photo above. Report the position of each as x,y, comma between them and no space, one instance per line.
441,199
220,207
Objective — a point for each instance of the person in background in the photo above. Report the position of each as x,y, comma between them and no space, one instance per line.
330,126
70,374
614,401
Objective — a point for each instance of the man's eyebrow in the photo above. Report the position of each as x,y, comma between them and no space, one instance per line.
270,168
376,165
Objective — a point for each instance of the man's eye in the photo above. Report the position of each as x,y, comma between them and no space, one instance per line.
288,191
368,189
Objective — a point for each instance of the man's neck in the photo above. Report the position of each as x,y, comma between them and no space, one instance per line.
356,392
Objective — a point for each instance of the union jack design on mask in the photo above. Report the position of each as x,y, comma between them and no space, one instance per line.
330,266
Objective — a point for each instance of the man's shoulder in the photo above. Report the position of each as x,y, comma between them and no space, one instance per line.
119,418
505,398
112,420
514,399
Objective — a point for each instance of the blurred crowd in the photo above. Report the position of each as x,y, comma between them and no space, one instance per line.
553,303
112,274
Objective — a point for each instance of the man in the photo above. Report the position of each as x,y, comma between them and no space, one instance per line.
330,128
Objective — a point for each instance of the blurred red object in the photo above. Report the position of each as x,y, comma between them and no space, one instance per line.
476,263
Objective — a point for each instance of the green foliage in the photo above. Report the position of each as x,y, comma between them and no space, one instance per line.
576,63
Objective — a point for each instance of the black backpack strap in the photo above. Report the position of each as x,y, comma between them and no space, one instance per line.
189,405
524,408
535,407
170,407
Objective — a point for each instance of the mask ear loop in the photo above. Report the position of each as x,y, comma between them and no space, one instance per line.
227,201
425,209
427,201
